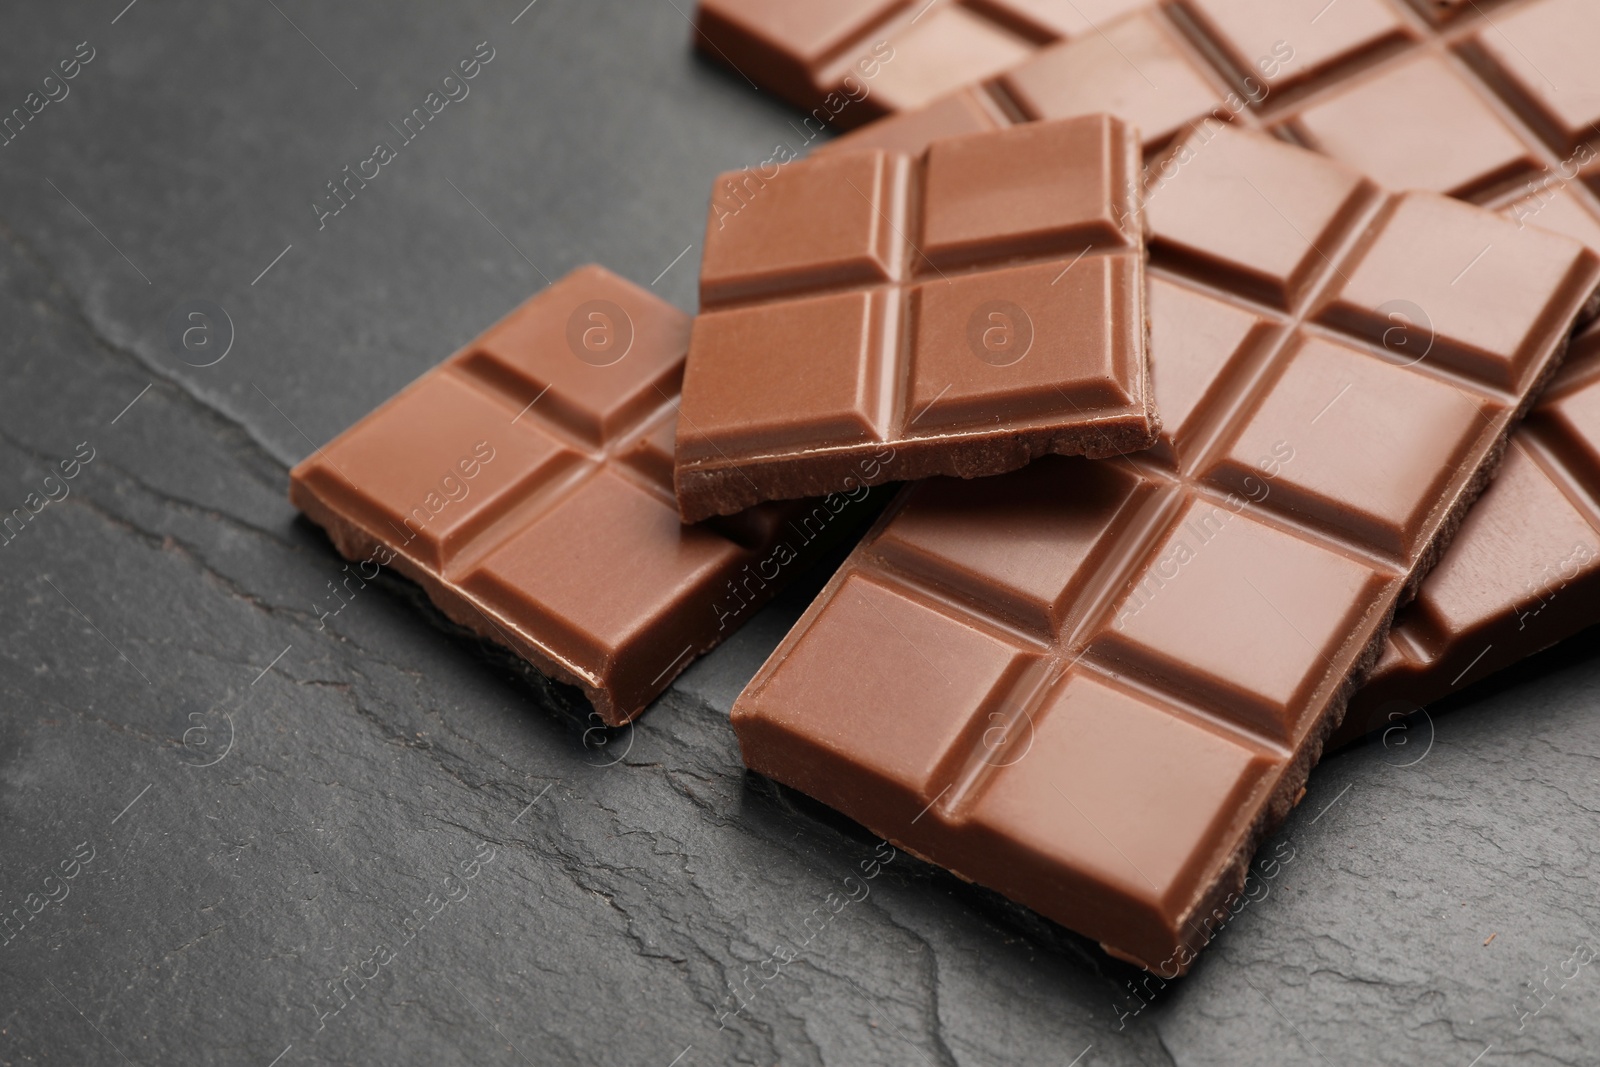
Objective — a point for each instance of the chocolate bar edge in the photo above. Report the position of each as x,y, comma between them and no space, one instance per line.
1231,875
353,542
706,487
704,492
718,40
1390,695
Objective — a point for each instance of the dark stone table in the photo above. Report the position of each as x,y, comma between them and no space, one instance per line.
233,831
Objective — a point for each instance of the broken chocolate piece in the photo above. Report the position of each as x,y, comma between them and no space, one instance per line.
872,318
1095,686
525,484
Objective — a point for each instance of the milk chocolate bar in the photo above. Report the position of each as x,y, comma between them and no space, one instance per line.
1095,686
851,61
526,485
874,317
1524,572
1493,102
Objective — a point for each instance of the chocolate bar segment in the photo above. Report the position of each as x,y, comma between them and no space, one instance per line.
871,317
1537,59
851,61
1455,141
1273,46
526,485
1094,686
1139,67
1524,572
1442,12
1492,102
1489,102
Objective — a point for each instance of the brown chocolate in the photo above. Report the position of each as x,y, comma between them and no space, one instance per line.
851,61
1523,574
1491,102
1094,686
872,317
526,485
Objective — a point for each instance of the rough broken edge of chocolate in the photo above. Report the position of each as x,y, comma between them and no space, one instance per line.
355,543
713,486
705,490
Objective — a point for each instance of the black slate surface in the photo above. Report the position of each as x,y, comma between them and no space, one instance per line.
258,805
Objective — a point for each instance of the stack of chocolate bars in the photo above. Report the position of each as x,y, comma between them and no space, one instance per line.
1194,330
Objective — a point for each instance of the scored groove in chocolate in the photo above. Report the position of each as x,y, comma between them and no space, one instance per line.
854,60
1095,685
1524,572
516,480
1496,103
872,317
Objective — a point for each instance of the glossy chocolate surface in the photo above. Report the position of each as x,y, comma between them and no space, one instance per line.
872,317
1523,573
1493,102
526,485
1497,103
851,61
1094,686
